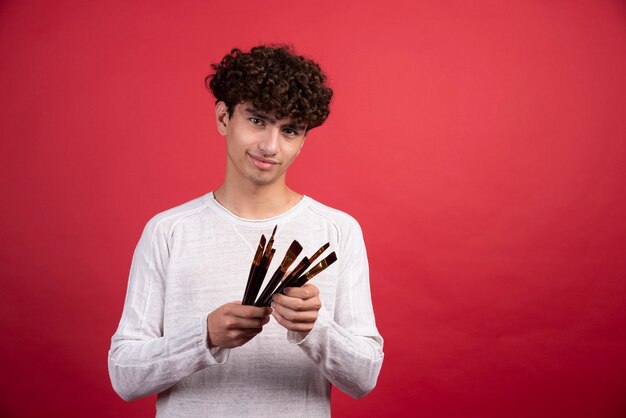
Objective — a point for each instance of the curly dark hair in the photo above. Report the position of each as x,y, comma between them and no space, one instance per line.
275,81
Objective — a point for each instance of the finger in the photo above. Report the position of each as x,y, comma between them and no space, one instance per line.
297,304
244,334
293,303
237,323
239,339
305,292
290,325
295,316
247,311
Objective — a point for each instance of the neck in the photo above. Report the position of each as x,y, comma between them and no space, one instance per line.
257,202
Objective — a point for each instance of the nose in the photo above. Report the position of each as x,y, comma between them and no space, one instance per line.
269,142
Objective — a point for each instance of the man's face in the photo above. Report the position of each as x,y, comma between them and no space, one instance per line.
259,148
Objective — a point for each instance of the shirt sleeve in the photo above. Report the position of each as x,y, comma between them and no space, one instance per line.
346,343
143,359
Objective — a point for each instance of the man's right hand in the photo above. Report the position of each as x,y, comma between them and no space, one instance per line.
233,324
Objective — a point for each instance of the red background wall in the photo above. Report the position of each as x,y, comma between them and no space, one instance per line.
480,144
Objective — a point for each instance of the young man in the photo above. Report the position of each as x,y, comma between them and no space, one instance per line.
184,335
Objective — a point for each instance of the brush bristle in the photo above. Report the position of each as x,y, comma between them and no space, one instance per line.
295,247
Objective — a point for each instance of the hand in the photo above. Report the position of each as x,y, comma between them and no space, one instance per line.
297,309
233,324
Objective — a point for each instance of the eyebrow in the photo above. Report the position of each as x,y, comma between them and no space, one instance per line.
260,115
255,113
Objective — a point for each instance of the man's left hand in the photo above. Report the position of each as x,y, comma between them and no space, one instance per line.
297,309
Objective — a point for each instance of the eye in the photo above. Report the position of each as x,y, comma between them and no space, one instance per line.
256,121
291,132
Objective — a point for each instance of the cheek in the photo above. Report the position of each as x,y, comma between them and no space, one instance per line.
292,151
236,142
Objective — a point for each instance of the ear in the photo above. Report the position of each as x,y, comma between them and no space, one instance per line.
221,118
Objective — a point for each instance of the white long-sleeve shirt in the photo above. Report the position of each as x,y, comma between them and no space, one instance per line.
196,257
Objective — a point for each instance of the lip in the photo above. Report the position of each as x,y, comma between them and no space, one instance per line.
262,163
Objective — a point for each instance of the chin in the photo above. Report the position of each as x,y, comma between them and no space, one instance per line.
262,181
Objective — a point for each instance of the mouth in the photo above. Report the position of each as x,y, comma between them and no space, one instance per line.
261,163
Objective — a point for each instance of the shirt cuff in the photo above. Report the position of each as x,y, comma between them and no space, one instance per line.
322,321
218,355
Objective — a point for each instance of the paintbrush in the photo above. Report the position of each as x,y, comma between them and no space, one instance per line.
256,261
260,271
301,267
260,276
292,253
304,264
317,269
293,280
270,244
319,252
